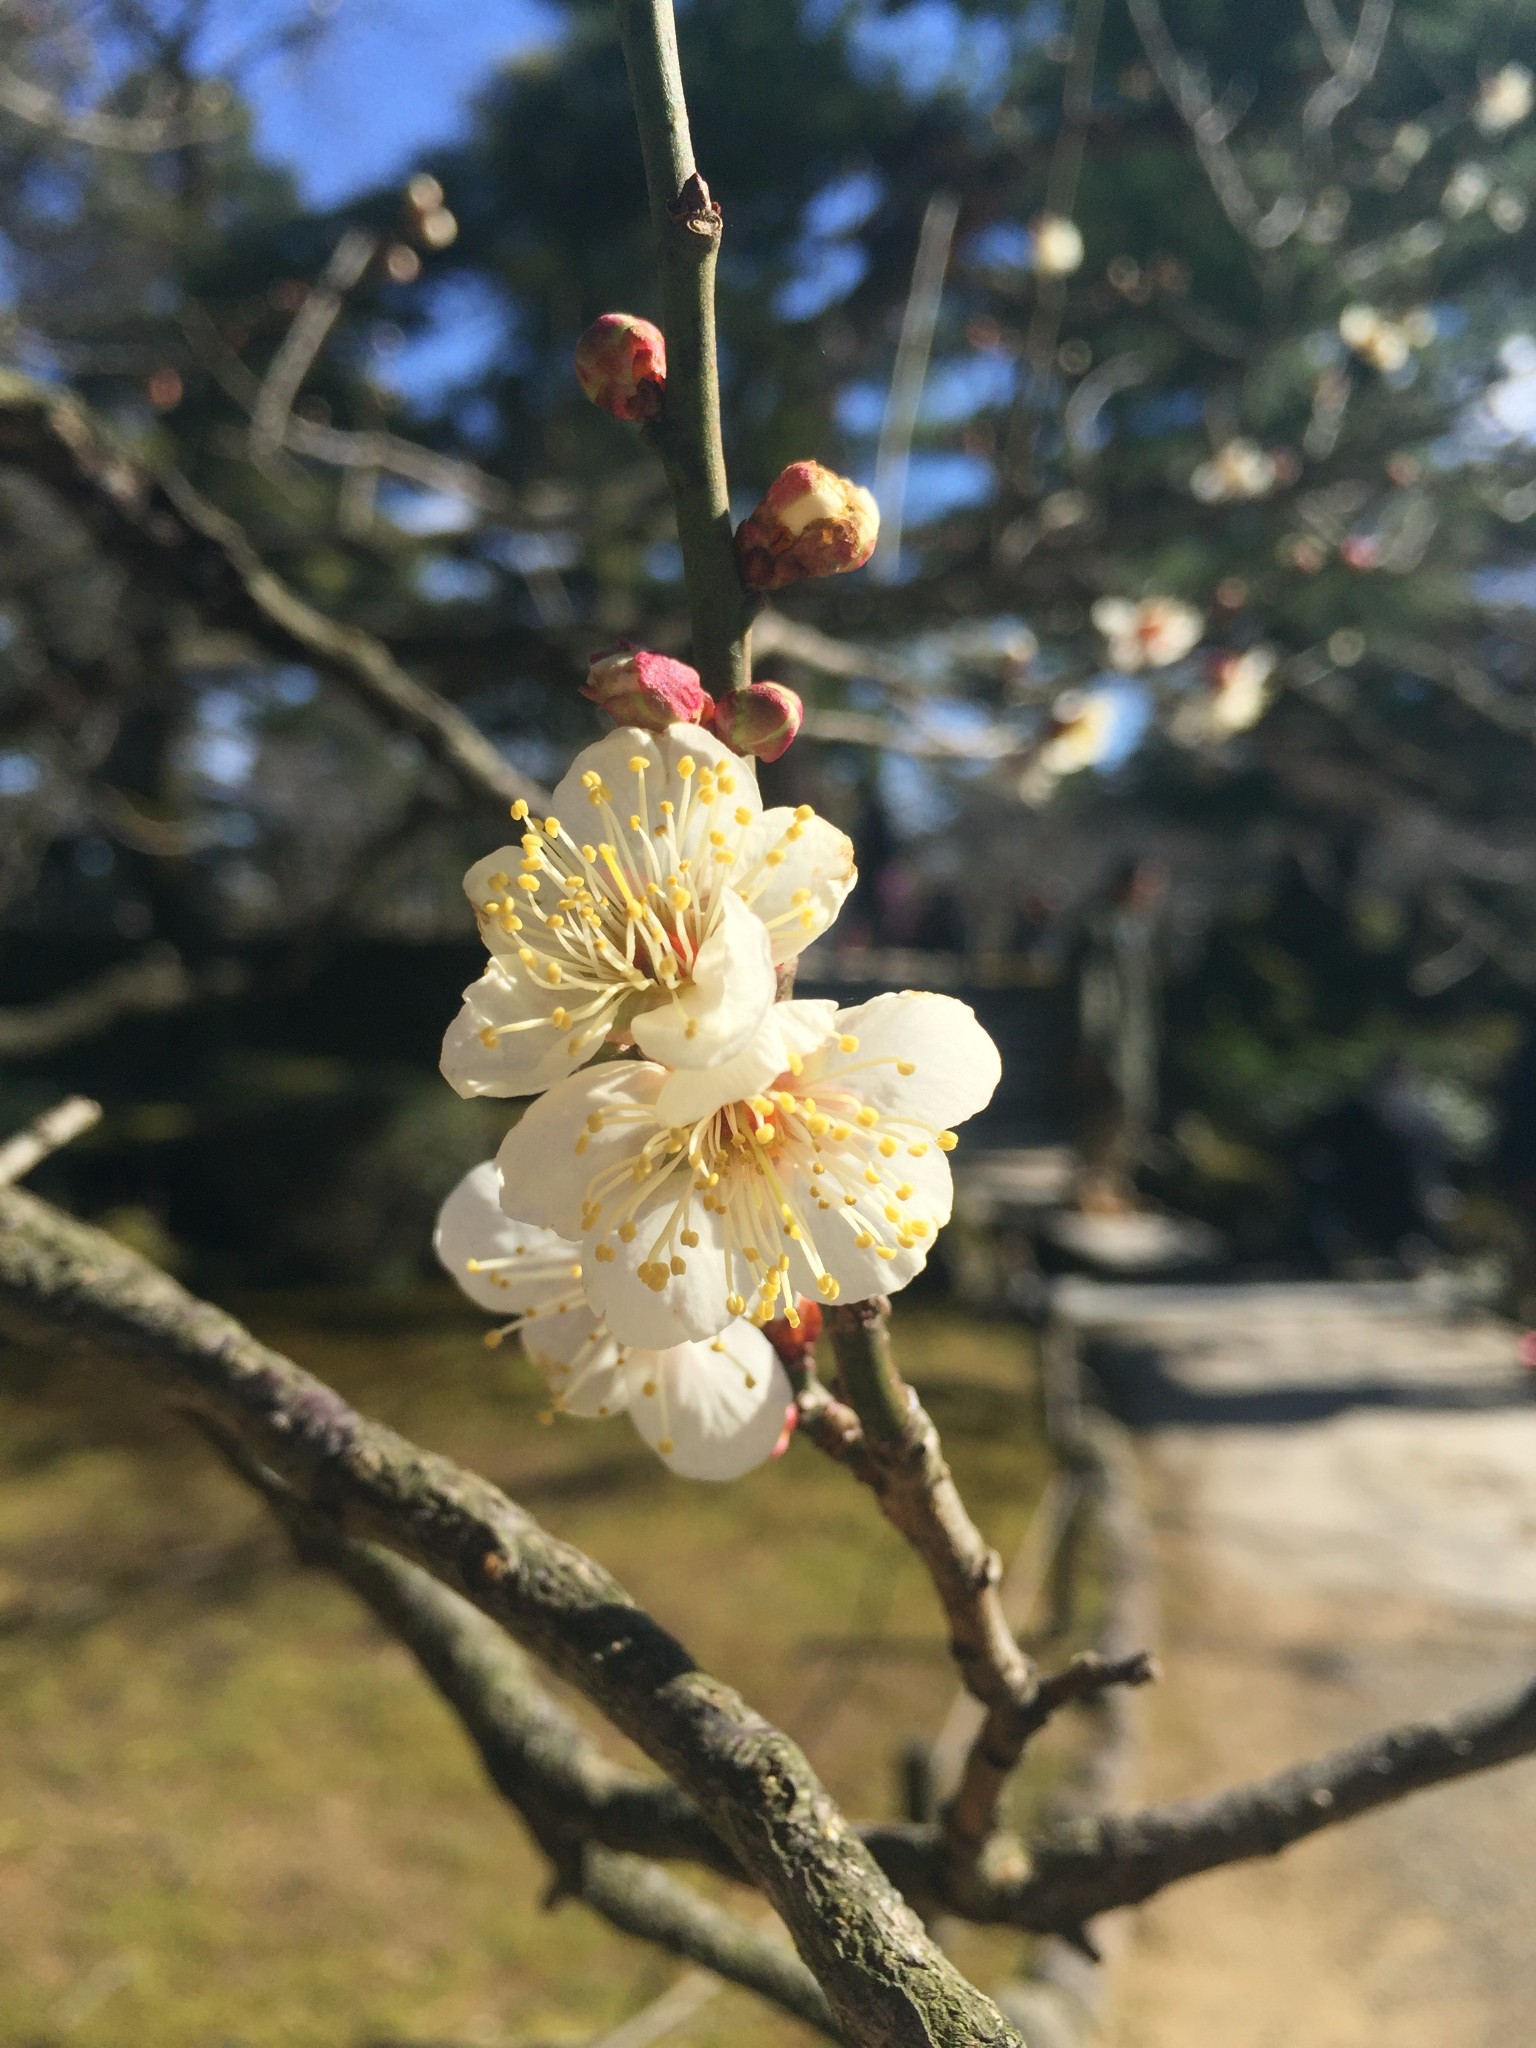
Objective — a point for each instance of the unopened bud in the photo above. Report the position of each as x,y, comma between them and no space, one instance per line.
636,687
762,719
811,522
796,1342
621,364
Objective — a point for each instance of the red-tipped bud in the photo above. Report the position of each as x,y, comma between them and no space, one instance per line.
762,719
795,1342
621,364
791,1424
811,522
636,687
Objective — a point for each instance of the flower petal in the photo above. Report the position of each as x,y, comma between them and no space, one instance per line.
663,751
589,1379
798,896
504,1040
550,1158
510,1268
718,1407
689,1304
954,1065
717,1010
788,1031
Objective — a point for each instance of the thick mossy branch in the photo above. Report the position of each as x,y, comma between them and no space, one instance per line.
886,1982
598,1824
175,542
688,226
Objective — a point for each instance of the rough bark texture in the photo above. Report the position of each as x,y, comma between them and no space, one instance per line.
887,1983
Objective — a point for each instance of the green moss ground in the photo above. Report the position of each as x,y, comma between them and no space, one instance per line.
232,1813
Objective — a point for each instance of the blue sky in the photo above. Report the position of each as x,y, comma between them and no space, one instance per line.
386,81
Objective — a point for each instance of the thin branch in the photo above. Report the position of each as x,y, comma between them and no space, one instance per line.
888,1441
169,535
137,134
687,226
886,1982
1350,76
295,356
1071,1874
46,1134
1209,128
596,1822
910,373
154,983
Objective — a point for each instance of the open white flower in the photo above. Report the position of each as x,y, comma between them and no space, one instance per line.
655,902
813,1164
709,1410
1239,690
1504,99
1058,245
1151,634
1238,469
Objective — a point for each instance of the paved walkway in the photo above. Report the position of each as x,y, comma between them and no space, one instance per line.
1342,1482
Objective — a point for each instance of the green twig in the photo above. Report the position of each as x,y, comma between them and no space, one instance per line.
687,433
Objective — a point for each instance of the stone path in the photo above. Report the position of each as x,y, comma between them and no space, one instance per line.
1342,1482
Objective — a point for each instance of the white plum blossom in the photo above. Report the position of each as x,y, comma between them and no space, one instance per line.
1082,724
1385,344
710,1410
1504,99
653,904
1238,469
1151,634
812,1163
1238,692
1465,191
1058,245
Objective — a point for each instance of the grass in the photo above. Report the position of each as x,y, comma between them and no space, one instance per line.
232,1813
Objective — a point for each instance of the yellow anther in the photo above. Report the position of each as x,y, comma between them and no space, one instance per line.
649,1388
689,1238
595,1120
887,1148
561,1019
726,781
665,1445
552,828
530,883
520,810
864,1240
487,1037
553,974
892,1213
604,1254
638,764
866,1118
904,1192
743,815
847,1042
804,811
828,1288
947,1141
686,766
736,1303
905,1068
666,807
871,1176
627,1232
775,859
678,1265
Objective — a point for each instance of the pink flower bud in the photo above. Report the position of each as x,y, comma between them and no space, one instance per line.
636,687
762,719
621,364
811,522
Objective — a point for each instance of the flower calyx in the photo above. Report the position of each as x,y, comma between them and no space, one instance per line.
794,1338
761,719
621,365
810,522
652,691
